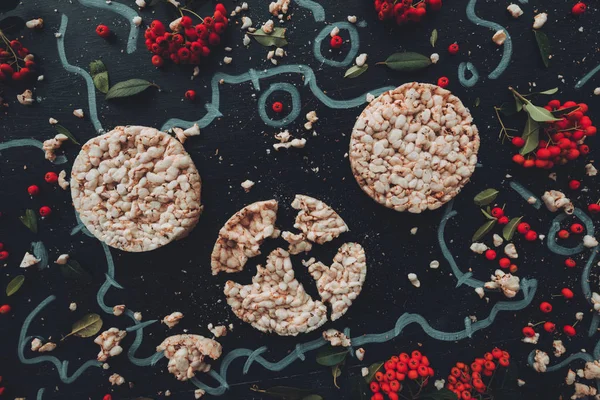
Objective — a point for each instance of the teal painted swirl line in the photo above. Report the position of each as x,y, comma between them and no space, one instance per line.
525,194
30,143
40,394
585,275
593,329
91,89
587,77
507,46
295,107
462,77
324,34
40,252
554,247
62,367
552,368
252,75
462,278
126,12
317,10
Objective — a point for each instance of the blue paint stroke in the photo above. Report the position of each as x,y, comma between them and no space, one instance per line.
40,394
354,44
63,366
252,75
525,194
585,276
30,142
462,77
587,77
40,252
555,227
126,12
296,106
91,89
316,9
507,46
573,357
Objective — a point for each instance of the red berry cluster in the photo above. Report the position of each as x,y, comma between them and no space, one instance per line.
467,381
189,44
403,11
566,137
16,62
575,228
414,367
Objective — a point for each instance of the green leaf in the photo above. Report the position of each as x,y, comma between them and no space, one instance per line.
355,71
66,132
330,356
14,285
477,101
434,37
564,111
539,114
275,38
483,230
73,270
373,368
30,220
406,62
487,214
442,394
87,326
96,67
531,134
486,197
518,104
508,109
550,91
128,88
101,82
544,46
283,392
509,229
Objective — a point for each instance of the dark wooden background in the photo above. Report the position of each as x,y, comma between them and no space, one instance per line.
234,148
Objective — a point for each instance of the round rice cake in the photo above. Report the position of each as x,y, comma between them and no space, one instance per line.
414,148
136,188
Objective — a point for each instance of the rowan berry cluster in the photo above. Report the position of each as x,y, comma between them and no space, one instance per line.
16,62
413,367
565,137
467,381
403,11
187,43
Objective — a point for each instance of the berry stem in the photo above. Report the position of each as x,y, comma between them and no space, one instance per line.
8,46
504,131
191,12
519,95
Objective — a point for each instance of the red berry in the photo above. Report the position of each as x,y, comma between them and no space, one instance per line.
590,131
497,212
570,263
389,365
584,149
395,386
569,330
33,190
543,154
554,104
434,5
103,31
186,21
401,367
336,42
572,154
214,39
490,254
423,371
594,208
51,177
513,268
504,262
567,293
528,331
549,327
518,141
523,228
497,353
576,228
377,396
416,354
157,61
45,211
277,107
7,69
443,82
574,184
563,234
5,309
3,255
107,397
489,365
374,386
413,374
379,376
190,95
503,220
531,236
579,8
453,48
393,396
503,361
413,363
221,8
519,159
528,163
545,307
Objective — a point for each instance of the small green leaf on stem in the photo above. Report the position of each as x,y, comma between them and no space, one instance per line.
66,132
434,37
14,285
406,62
330,356
99,76
550,91
509,229
128,88
483,230
275,38
87,326
487,214
355,71
485,197
373,368
539,114
30,220
544,46
477,101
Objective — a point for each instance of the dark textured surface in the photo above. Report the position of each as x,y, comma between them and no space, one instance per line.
234,148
